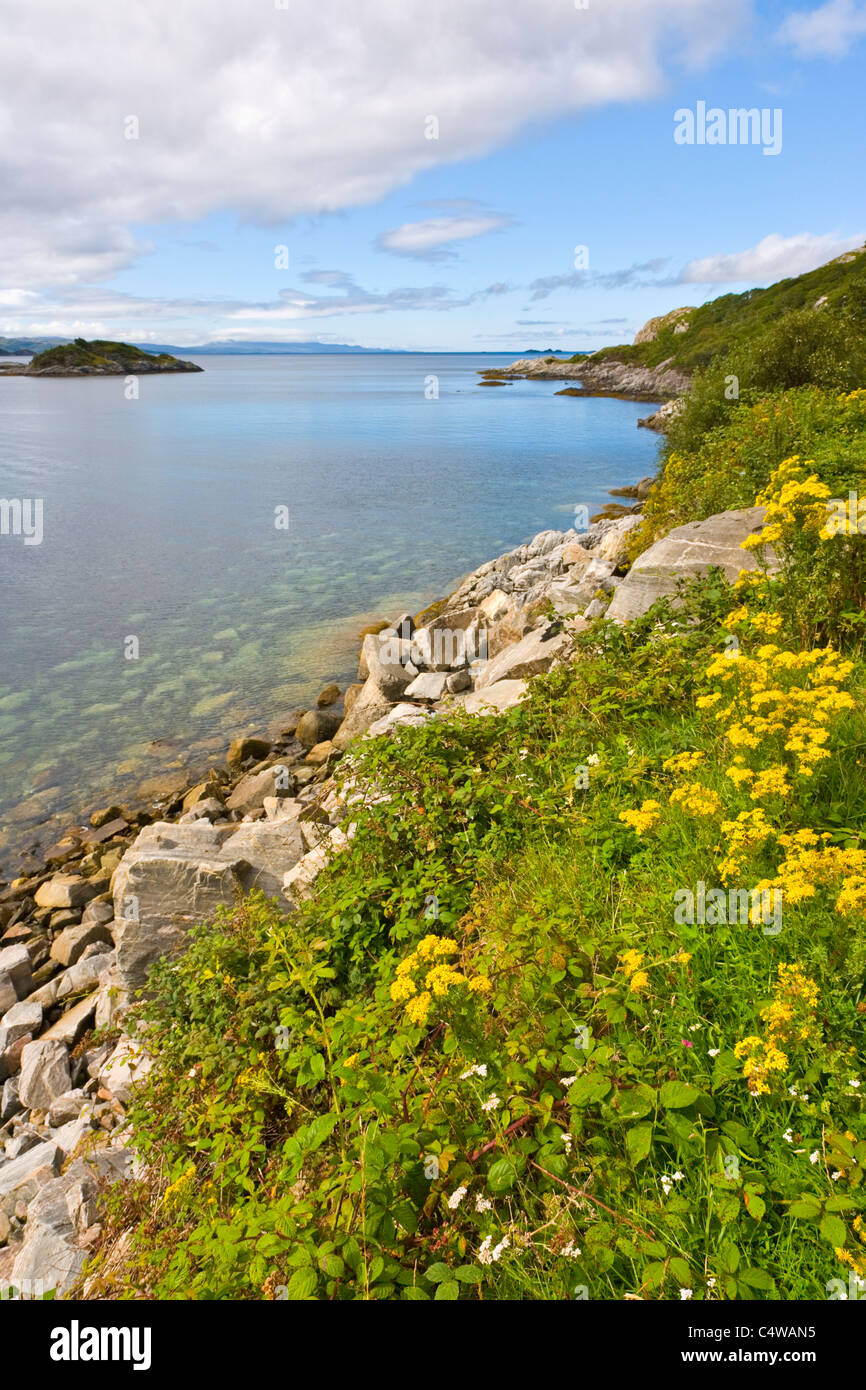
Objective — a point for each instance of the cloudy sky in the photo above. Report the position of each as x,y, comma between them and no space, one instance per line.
432,174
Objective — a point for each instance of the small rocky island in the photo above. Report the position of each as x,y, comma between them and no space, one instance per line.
98,358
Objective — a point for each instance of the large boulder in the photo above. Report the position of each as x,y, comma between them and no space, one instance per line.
533,653
493,699
316,726
385,657
683,553
174,876
44,1073
370,705
65,890
15,975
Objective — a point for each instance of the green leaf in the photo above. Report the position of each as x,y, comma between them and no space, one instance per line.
639,1142
436,1273
588,1089
756,1279
635,1103
833,1229
501,1176
333,1266
449,1291
468,1274
675,1095
415,1295
805,1207
302,1284
755,1205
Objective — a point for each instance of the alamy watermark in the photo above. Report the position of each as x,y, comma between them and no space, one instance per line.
714,907
736,126
22,516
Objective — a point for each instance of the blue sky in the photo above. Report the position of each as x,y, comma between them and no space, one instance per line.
556,130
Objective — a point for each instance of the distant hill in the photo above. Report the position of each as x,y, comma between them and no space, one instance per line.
693,337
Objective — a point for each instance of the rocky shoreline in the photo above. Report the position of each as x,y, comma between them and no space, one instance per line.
78,936
623,380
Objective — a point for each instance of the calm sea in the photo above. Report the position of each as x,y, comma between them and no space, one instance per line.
159,526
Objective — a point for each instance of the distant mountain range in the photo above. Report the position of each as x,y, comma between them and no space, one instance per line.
15,347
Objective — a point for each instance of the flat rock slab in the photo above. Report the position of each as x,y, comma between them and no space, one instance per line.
174,876
685,552
494,699
22,1178
527,657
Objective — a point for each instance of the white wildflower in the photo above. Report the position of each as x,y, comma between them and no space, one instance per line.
686,1293
477,1069
456,1198
813,1157
788,1136
713,1051
482,1203
492,1104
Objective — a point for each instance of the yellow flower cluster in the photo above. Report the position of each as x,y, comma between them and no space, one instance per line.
427,966
751,828
794,499
789,1022
810,860
696,800
683,762
790,697
631,961
643,819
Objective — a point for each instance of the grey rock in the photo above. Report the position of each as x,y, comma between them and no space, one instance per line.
98,911
83,975
16,971
457,681
683,553
71,1025
24,1017
10,1101
251,790
21,1179
428,686
66,890
527,657
44,1073
370,705
382,656
495,698
70,944
66,1107
316,726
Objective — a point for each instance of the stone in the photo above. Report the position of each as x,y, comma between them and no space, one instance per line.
282,807
106,814
351,695
320,753
50,1258
381,657
210,809
97,911
66,1107
328,696
458,681
683,553
371,704
614,542
533,653
44,1073
174,876
25,1017
15,973
71,942
71,1025
494,699
251,790
430,685
128,1064
299,880
316,726
10,1101
65,890
21,1179
642,490
401,714
84,974
242,750
595,609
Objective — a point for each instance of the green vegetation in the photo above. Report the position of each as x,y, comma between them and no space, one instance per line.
580,1011
735,320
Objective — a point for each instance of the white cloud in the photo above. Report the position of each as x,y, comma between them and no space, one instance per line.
432,239
774,258
828,32
277,113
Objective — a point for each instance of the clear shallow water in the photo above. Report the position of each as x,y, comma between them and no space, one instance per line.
159,524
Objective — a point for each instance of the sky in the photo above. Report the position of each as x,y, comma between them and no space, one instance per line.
439,175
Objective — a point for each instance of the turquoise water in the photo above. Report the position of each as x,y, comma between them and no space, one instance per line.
159,525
